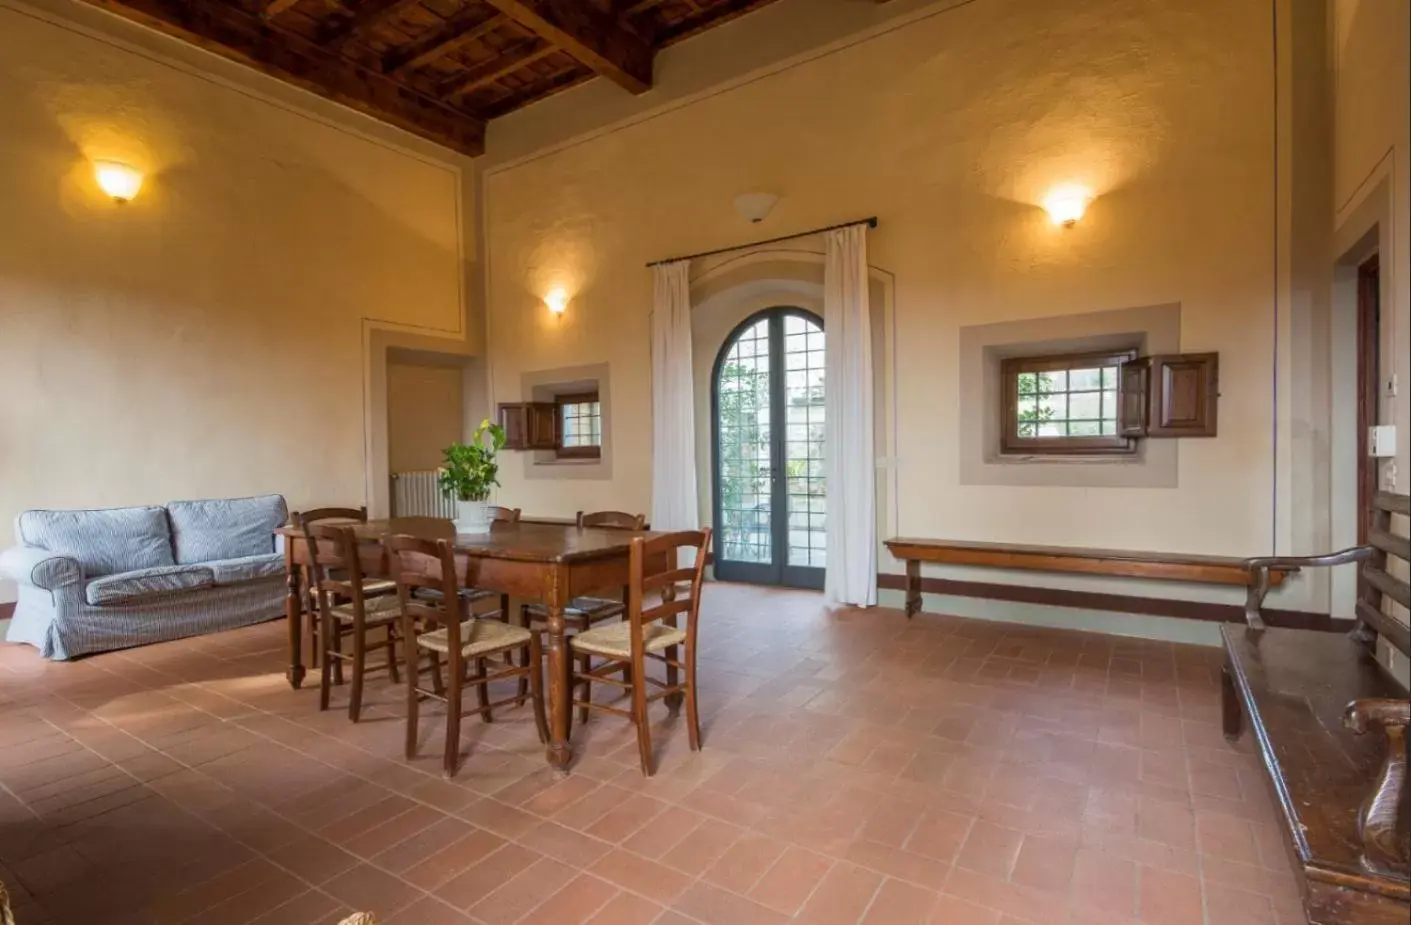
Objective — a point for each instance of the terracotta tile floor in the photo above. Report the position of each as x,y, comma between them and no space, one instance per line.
858,768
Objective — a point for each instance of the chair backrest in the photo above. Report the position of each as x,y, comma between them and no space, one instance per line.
504,515
416,563
358,514
662,555
333,563
612,520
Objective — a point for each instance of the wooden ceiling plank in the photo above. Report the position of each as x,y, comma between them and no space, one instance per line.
233,33
717,15
591,37
364,18
273,8
501,65
456,33
641,6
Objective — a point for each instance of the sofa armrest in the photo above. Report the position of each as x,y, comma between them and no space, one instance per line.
40,568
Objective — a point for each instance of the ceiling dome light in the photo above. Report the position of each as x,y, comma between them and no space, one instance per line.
755,206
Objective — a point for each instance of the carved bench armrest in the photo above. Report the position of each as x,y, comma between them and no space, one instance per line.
1260,567
1286,563
1386,839
1363,714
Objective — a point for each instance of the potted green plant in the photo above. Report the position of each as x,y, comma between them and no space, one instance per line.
467,475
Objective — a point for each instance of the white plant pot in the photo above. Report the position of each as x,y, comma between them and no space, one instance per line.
473,517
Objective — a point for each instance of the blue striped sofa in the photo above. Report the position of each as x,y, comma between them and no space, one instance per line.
92,581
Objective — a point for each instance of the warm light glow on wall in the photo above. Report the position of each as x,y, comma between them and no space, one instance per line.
1066,204
117,180
557,300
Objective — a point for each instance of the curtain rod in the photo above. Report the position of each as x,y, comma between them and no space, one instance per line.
869,222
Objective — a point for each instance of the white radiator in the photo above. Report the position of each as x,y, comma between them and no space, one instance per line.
415,494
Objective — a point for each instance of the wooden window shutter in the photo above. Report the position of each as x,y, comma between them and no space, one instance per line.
1133,397
543,425
529,425
1170,395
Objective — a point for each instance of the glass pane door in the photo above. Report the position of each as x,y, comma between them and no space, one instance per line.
769,466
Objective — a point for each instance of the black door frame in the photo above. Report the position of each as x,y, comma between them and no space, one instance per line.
779,571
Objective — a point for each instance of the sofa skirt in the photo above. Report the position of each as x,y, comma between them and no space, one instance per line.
63,625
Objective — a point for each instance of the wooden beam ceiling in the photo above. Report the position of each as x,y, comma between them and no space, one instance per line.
365,17
273,8
233,33
437,68
593,38
511,60
470,26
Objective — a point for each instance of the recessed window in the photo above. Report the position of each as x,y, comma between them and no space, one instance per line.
580,426
1062,405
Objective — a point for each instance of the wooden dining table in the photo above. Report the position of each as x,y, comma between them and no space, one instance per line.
541,561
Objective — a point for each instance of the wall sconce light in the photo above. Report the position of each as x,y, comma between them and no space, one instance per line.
1066,205
117,180
557,301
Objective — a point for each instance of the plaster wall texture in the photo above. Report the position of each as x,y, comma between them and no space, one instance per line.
214,336
951,129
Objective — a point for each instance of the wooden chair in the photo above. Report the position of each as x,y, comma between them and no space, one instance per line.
344,607
418,564
649,632
504,515
583,612
371,586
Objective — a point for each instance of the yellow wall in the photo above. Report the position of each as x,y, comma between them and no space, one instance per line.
214,336
948,128
1372,172
1371,57
424,414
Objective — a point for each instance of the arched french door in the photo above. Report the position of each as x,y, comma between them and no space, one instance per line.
767,442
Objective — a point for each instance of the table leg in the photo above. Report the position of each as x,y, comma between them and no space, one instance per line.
559,751
913,587
294,615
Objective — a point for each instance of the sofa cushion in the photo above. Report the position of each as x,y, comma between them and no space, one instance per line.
229,528
247,568
127,587
103,542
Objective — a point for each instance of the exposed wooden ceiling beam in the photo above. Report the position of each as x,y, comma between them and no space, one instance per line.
458,32
502,65
641,6
273,8
233,33
718,15
363,18
591,37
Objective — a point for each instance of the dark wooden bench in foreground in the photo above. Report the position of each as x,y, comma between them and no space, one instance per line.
1220,570
1330,727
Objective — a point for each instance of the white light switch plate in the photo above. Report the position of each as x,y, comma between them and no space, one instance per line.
1381,440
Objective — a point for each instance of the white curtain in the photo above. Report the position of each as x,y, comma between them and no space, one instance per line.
674,502
851,576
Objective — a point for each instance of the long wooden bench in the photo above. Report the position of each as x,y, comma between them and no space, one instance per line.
1219,570
1330,726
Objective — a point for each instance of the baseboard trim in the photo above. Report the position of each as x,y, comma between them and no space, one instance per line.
1121,603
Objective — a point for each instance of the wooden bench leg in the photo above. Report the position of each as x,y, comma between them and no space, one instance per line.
1229,705
913,587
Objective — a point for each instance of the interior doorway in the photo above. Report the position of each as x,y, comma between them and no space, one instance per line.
1368,390
767,443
